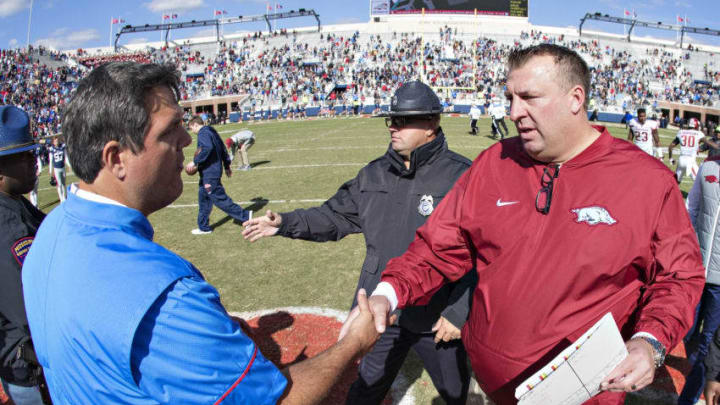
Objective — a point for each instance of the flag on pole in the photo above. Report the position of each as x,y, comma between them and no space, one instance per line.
634,14
278,6
218,12
165,17
269,7
627,13
114,21
174,16
680,19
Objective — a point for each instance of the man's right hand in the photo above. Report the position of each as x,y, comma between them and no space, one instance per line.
379,308
712,393
258,228
361,329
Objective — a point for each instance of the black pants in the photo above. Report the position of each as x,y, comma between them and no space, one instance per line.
473,127
445,362
498,124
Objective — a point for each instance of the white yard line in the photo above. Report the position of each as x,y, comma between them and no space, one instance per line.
306,200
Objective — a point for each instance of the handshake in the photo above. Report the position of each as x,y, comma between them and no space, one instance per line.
369,313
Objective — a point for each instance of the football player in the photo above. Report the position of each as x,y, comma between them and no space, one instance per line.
689,141
644,133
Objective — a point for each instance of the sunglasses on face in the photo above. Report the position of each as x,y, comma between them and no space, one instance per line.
400,122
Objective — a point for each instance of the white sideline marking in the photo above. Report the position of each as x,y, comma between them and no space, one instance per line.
323,148
308,200
401,391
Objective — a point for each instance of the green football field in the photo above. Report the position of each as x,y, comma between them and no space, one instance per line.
296,164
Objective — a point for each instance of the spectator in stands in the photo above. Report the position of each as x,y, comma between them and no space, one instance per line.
148,328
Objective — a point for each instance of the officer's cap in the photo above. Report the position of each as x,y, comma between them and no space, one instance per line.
14,131
414,98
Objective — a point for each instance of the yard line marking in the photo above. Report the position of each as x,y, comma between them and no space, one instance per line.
308,166
322,148
305,200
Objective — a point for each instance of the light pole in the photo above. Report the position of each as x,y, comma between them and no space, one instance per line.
29,21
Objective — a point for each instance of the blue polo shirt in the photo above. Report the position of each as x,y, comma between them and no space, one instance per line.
117,318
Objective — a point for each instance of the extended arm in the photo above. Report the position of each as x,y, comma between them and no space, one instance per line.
656,137
310,381
335,219
188,335
630,135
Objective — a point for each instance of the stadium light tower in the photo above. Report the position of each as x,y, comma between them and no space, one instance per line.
29,21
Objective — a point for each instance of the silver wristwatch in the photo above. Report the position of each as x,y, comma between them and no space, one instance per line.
659,350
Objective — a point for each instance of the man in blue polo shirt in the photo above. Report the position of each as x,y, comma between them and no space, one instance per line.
117,318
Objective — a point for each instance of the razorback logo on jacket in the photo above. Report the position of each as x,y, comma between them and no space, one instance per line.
593,215
711,179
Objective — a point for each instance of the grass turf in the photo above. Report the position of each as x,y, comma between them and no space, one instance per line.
297,164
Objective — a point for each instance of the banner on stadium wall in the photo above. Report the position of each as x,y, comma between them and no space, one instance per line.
513,8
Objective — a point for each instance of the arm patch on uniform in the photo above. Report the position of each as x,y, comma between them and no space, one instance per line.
21,247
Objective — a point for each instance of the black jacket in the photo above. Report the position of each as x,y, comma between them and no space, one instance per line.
20,223
384,203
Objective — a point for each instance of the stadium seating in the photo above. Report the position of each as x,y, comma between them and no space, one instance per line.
332,69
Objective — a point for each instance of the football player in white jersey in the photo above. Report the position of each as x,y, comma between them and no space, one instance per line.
644,133
689,141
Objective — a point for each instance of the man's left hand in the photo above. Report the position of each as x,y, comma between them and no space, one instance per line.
636,372
445,331
228,172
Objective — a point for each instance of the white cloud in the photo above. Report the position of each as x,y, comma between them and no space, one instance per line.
209,32
62,38
10,7
138,41
13,43
173,5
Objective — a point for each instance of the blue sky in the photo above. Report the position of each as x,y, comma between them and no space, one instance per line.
69,24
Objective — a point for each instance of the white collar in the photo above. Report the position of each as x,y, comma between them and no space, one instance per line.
90,196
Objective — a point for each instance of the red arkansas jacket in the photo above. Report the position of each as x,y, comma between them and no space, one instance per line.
617,238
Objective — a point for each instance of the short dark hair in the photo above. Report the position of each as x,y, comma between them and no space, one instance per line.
573,68
641,110
196,120
109,105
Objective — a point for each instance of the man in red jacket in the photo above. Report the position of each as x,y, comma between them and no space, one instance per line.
564,224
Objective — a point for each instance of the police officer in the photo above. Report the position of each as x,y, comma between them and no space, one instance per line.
388,200
19,370
211,159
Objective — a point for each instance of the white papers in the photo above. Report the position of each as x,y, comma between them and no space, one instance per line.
574,376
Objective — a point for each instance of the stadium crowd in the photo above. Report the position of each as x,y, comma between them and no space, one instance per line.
293,71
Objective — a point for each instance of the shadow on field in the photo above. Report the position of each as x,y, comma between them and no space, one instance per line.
259,163
257,204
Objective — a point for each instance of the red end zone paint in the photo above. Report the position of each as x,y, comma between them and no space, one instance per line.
286,338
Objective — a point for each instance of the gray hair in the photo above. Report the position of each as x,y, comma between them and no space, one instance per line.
109,105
